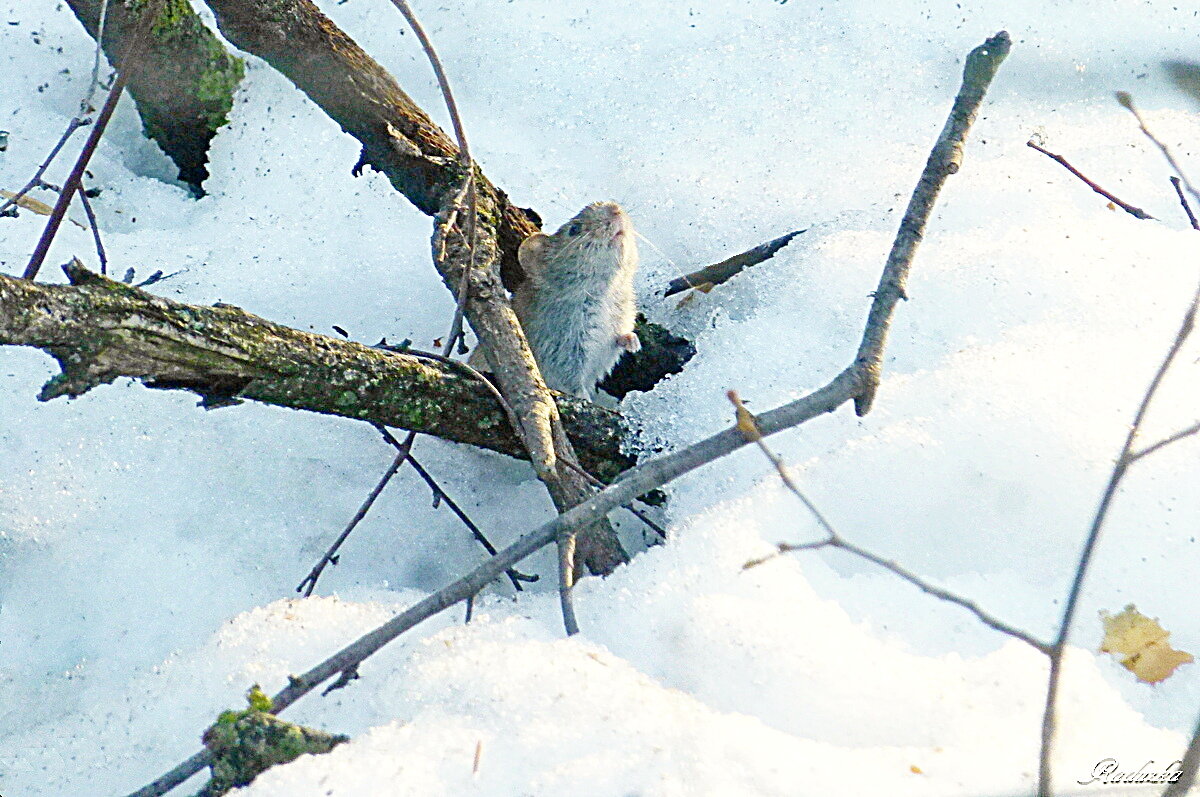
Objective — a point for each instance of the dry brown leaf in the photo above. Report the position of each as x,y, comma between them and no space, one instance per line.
1141,645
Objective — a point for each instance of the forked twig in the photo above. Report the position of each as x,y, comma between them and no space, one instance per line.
331,554
747,424
440,495
1125,459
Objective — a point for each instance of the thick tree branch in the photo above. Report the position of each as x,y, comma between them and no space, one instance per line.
184,86
99,330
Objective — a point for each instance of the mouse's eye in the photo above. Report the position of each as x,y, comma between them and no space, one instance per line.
574,229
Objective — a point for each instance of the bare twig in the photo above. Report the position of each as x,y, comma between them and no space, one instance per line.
330,557
468,166
566,579
36,180
1166,441
85,105
845,387
1126,101
91,217
747,424
640,515
944,160
727,268
1125,459
440,495
1136,212
1183,201
149,13
81,120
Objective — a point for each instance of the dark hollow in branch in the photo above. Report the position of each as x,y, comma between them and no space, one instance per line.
99,330
727,268
1136,212
185,84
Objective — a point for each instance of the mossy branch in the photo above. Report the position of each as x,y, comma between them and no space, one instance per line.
99,330
184,85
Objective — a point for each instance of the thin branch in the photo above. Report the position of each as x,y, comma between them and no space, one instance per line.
81,120
440,495
1132,210
748,426
36,180
1124,460
149,13
1126,101
468,166
85,105
1166,441
944,160
566,580
331,555
91,217
1183,201
657,529
727,268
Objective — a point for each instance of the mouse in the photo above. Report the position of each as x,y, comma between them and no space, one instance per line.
576,304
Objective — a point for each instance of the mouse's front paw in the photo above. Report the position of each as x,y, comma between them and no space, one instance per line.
629,342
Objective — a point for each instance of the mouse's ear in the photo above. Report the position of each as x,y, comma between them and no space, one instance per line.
530,253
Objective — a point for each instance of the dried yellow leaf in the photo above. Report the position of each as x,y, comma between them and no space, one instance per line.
1140,644
29,203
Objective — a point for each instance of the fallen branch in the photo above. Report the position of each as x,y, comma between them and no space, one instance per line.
727,268
99,330
185,91
845,387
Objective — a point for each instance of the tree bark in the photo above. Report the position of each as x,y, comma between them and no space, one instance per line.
99,330
184,80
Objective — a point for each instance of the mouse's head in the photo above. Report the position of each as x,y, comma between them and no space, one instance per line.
598,238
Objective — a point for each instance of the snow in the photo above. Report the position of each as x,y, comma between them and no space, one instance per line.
149,549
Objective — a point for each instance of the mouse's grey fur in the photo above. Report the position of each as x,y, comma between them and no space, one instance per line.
576,304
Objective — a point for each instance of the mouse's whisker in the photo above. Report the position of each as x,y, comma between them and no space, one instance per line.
660,252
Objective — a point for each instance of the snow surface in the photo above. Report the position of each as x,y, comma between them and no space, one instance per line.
148,549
